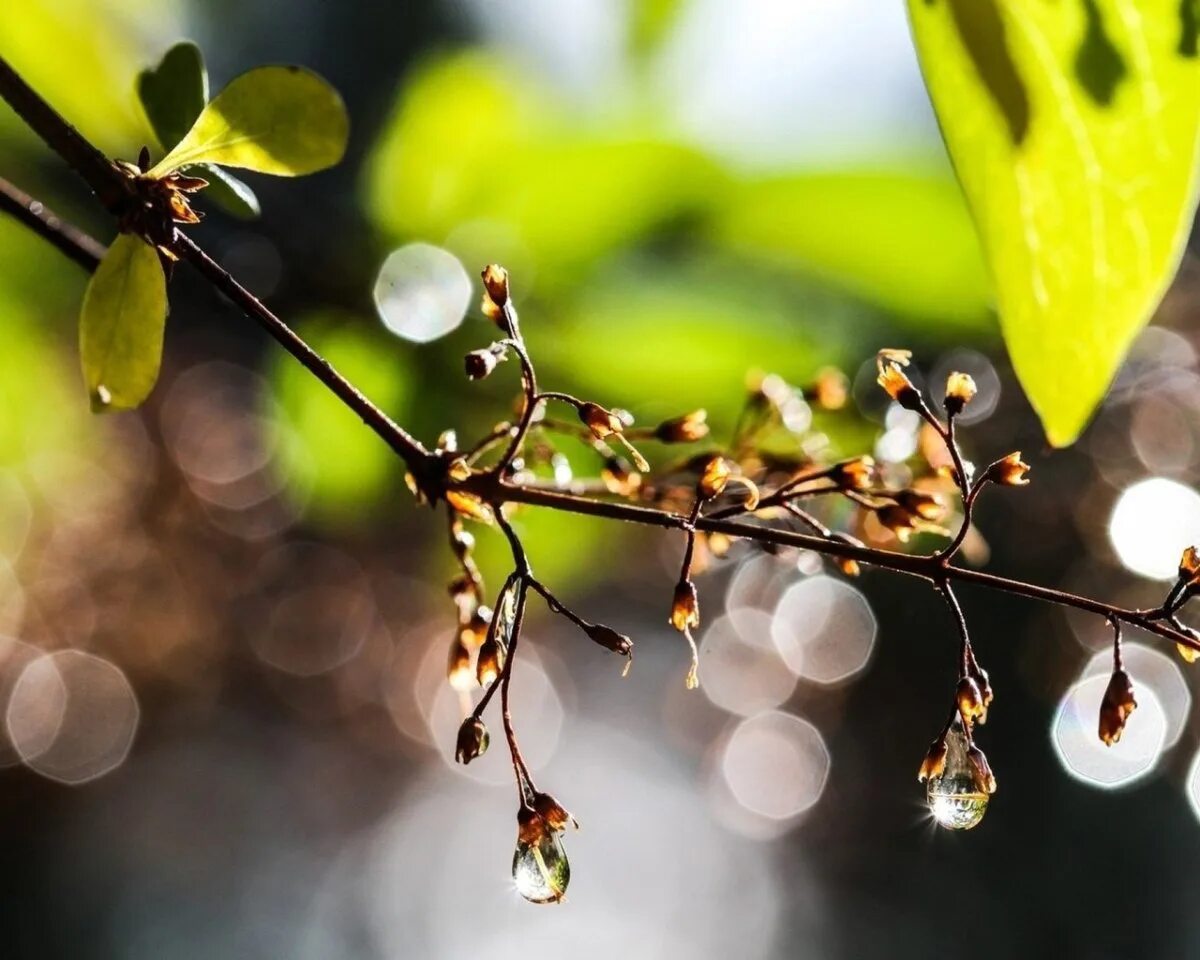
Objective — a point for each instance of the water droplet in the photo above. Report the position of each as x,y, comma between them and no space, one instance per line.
955,799
540,870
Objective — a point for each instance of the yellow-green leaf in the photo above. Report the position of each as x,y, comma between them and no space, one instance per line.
285,121
1073,130
121,325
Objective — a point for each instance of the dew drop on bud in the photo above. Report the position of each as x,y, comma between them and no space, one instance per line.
540,870
955,799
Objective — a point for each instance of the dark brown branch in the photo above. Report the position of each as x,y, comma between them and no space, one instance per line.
70,240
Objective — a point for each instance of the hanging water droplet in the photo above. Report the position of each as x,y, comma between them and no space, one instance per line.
540,870
955,798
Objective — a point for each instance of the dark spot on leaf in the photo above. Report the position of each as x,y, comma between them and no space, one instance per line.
1098,64
985,38
1189,27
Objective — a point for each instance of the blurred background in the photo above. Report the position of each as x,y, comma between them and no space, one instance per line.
223,621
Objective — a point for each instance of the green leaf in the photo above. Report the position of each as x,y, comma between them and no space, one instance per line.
228,192
1073,129
174,92
286,121
121,325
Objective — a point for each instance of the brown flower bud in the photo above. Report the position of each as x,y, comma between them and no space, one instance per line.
619,478
927,506
855,474
474,632
894,380
608,638
552,813
714,478
985,780
830,390
470,505
603,423
480,364
980,676
896,519
934,763
1009,471
685,606
1116,707
960,390
473,740
970,700
686,429
495,282
1189,566
490,662
458,669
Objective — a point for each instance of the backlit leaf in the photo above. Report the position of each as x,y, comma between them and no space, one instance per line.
1073,130
285,121
121,325
174,92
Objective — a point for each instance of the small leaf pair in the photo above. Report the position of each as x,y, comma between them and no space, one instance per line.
279,120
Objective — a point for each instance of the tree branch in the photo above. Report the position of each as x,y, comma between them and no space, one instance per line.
108,183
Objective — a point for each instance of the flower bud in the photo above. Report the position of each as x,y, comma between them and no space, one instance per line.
1009,471
495,282
714,478
458,669
470,505
830,390
603,423
1116,707
619,478
1188,654
474,632
685,606
960,390
894,380
473,740
1189,566
927,506
552,813
608,638
490,662
934,763
480,363
855,474
686,429
970,701
896,519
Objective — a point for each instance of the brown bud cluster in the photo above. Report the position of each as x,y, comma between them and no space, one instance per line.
1116,707
970,701
608,638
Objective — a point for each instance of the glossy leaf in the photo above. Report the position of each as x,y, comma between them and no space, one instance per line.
1073,129
174,92
285,121
227,191
121,325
